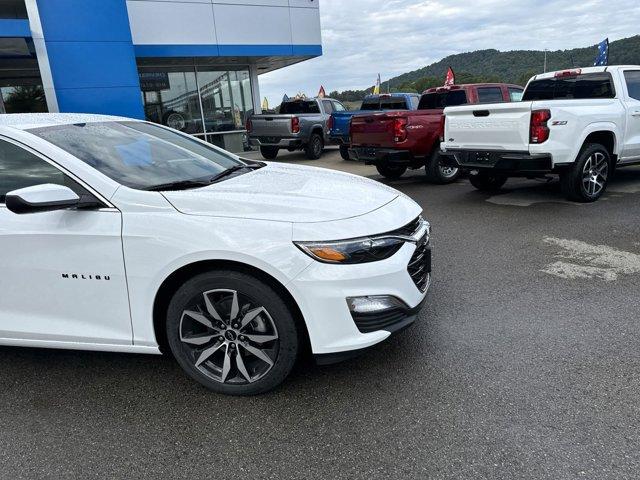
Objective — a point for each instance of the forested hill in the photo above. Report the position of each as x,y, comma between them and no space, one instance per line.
516,66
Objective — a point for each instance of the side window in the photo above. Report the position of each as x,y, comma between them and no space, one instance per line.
515,94
328,106
489,95
338,107
20,168
415,101
632,78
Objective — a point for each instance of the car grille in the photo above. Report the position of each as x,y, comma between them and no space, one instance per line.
379,321
420,264
408,229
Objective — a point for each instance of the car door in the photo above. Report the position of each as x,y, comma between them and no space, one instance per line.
62,273
631,149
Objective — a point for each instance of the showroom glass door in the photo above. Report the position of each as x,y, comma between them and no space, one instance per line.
171,98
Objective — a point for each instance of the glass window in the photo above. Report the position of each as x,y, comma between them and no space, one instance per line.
338,107
385,102
138,155
633,83
589,85
515,94
415,101
328,106
449,98
13,9
489,95
171,99
299,107
20,168
22,99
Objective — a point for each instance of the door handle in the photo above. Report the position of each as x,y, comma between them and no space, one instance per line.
636,113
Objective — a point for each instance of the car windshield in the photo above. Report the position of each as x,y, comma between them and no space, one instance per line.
384,103
139,155
435,100
299,107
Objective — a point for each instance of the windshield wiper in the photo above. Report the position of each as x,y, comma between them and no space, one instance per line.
232,170
181,185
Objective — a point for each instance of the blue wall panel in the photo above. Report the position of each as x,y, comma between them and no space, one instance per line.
91,55
10,27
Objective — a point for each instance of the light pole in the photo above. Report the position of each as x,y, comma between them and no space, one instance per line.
545,59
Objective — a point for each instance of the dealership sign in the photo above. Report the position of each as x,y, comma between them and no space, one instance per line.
154,81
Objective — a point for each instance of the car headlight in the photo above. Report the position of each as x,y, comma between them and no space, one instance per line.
348,252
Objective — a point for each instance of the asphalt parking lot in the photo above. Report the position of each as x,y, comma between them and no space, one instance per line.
525,363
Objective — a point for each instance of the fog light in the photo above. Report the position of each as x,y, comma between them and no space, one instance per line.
374,304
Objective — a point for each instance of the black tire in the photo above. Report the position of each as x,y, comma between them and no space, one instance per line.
313,149
488,181
391,171
275,322
344,152
438,173
587,180
269,153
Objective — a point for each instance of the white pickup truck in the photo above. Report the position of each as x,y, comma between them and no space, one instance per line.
581,124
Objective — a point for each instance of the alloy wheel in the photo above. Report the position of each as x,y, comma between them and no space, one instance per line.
229,337
595,173
447,171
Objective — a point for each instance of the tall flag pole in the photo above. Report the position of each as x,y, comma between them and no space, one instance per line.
376,89
602,59
450,81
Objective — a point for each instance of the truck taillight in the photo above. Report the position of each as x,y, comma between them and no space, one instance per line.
249,125
295,125
442,123
539,131
330,123
400,129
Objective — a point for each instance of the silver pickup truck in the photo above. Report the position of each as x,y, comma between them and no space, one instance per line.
299,125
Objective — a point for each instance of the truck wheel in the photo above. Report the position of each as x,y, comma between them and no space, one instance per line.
488,181
344,152
232,333
314,148
439,173
587,180
269,153
391,171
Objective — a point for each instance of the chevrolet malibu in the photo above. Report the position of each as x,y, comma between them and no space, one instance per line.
125,236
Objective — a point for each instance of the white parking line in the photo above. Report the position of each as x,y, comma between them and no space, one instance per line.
581,260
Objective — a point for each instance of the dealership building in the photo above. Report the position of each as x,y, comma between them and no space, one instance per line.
190,64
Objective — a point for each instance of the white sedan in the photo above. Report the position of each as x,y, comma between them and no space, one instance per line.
126,236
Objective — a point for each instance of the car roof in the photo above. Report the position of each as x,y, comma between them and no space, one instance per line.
26,121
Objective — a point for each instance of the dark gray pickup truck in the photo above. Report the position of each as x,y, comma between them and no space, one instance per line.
299,125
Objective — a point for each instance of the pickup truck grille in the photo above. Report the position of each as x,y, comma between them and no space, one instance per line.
419,267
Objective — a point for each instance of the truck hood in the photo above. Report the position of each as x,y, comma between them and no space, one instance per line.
286,193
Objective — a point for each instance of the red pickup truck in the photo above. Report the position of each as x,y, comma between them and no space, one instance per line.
395,141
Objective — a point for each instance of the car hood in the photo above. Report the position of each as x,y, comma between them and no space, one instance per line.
286,193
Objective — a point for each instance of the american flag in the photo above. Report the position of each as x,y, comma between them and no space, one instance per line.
602,60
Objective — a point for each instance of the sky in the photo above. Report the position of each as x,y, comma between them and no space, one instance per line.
362,38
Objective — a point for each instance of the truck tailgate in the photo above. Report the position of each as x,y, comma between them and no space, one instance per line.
271,125
373,130
499,126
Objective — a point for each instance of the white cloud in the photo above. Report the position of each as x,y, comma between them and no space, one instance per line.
362,38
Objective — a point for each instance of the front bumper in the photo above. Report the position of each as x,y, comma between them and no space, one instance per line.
386,156
322,291
502,161
275,142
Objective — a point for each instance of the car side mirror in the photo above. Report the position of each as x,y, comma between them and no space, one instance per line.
41,198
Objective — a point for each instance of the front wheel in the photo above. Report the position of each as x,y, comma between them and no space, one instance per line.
232,333
314,148
439,172
488,181
344,152
391,171
269,153
587,180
